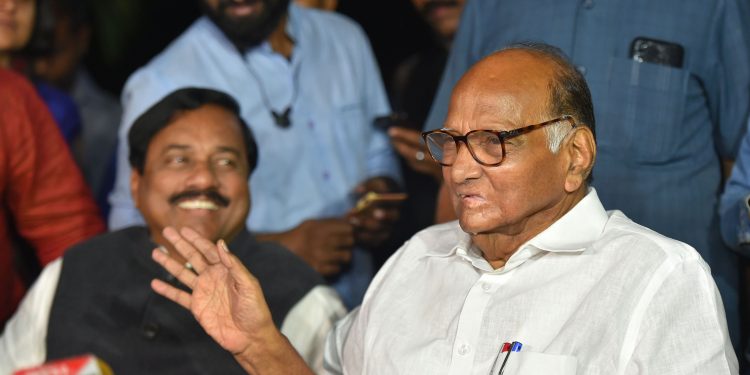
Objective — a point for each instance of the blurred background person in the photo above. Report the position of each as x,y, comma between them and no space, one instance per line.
46,206
413,86
19,28
66,27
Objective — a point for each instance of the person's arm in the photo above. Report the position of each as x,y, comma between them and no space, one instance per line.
23,343
734,215
227,301
679,326
728,90
48,199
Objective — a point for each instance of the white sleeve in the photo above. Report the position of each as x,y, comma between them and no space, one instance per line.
307,324
335,344
23,343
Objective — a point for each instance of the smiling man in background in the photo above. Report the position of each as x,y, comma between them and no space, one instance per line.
192,156
310,89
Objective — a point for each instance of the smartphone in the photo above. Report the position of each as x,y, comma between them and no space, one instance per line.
394,119
655,51
372,198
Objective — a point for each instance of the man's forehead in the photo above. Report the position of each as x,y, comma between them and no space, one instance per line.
498,96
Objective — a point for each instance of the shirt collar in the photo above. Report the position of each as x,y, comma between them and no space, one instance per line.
573,232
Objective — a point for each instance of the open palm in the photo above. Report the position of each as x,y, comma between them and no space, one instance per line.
226,299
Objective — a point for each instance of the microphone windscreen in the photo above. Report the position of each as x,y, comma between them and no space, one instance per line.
82,365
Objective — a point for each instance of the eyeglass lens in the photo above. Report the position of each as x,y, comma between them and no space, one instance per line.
486,147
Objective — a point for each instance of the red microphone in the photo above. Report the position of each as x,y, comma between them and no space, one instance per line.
83,365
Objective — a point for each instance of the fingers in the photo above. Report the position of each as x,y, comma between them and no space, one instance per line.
171,293
175,268
405,136
204,246
237,270
185,248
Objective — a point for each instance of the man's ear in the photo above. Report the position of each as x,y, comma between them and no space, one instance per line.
581,149
135,182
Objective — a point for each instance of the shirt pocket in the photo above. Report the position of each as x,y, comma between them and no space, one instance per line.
641,107
531,363
350,135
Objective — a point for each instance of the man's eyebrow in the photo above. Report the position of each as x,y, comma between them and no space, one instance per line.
175,146
229,149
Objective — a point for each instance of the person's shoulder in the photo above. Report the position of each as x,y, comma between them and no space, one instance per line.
103,246
327,19
193,37
191,43
9,78
332,26
622,233
12,84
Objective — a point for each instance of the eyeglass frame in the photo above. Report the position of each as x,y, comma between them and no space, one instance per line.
502,135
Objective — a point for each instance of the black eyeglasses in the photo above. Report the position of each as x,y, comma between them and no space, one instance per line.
487,147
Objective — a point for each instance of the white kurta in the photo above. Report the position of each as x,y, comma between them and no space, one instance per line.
594,293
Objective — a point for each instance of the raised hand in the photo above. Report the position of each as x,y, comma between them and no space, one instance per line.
228,302
226,299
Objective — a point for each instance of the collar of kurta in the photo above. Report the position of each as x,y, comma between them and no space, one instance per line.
574,232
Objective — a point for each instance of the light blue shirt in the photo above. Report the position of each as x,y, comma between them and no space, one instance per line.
661,130
308,170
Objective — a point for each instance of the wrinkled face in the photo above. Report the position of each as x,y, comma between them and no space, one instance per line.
195,175
16,23
246,23
442,15
505,92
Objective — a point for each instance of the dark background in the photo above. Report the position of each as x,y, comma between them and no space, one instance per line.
128,33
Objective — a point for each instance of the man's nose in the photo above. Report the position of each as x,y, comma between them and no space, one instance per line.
465,167
202,176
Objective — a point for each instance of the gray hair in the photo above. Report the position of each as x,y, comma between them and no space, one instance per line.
568,93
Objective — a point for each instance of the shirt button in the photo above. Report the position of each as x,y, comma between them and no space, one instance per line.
486,287
588,4
581,69
464,349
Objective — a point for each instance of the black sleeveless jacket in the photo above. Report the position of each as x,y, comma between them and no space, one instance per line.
104,305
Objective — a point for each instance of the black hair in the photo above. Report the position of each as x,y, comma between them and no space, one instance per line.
161,114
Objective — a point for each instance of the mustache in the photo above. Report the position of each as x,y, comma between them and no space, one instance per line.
431,5
210,194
